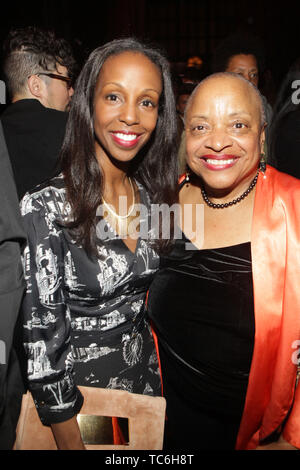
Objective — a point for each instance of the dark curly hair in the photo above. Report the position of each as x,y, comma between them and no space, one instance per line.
235,44
30,50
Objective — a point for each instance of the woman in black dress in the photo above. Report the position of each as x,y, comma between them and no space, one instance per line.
87,270
223,304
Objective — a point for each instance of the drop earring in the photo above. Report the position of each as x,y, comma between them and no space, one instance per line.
187,176
262,163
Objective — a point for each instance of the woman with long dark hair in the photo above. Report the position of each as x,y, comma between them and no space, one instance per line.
87,270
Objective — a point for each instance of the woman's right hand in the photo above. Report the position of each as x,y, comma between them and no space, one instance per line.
67,435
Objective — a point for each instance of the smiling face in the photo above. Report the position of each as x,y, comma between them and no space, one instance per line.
224,137
125,106
245,65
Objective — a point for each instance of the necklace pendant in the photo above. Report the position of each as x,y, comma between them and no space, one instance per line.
118,216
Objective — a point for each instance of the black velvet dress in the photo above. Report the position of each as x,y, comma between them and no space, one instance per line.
201,306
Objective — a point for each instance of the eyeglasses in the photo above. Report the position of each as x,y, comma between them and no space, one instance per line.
68,80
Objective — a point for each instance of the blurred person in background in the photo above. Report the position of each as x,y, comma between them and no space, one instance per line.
243,54
12,239
284,133
183,94
39,70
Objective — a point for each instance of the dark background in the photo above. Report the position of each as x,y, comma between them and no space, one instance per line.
183,28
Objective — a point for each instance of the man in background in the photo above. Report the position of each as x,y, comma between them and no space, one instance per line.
243,54
12,238
183,93
39,69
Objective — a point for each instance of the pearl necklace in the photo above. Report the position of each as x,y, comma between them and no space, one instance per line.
119,217
231,203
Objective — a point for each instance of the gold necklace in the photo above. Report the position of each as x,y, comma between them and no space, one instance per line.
118,216
120,226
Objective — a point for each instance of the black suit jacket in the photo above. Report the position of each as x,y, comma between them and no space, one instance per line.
285,148
34,136
12,238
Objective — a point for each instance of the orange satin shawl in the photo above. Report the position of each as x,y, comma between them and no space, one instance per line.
275,246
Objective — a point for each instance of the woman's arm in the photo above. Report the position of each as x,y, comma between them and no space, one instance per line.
46,316
290,437
67,435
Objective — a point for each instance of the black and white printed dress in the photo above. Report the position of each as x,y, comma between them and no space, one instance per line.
83,318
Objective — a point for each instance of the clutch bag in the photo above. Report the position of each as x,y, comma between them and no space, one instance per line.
145,416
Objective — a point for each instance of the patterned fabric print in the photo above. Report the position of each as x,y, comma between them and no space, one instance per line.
83,318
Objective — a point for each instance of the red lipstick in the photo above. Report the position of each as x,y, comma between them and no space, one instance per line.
219,162
125,139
